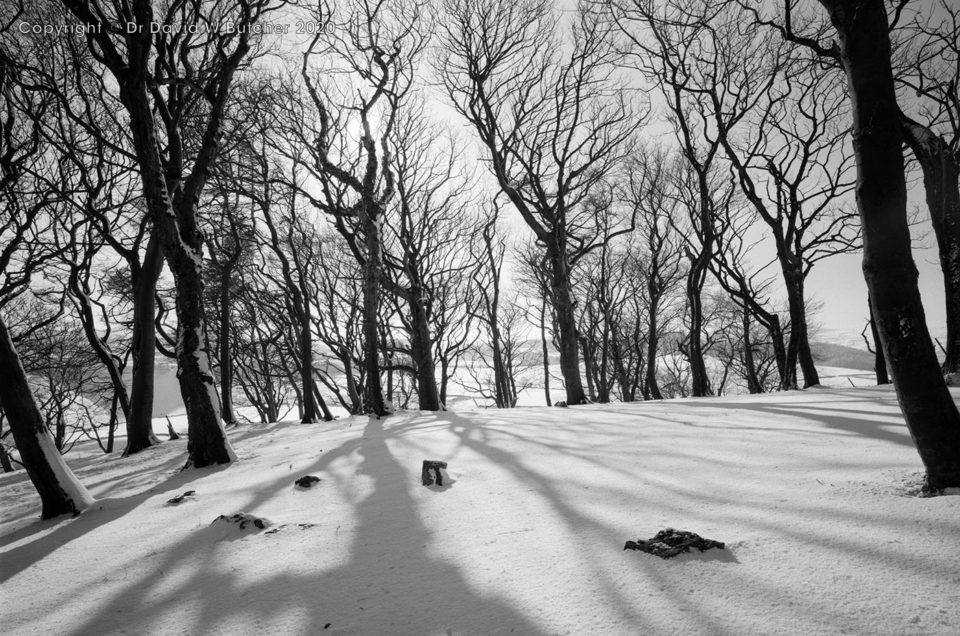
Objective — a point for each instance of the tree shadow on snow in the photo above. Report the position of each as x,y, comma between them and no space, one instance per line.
390,582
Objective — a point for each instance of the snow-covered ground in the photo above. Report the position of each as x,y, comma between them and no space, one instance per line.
811,491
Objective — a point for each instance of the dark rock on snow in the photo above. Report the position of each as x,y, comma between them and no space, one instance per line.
306,481
669,543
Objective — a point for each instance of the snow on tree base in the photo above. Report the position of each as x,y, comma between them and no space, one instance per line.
669,543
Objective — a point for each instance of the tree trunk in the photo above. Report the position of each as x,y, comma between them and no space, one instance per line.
140,420
421,347
566,326
879,360
545,351
5,462
60,491
941,182
888,266
226,359
653,344
798,349
700,383
371,306
749,366
175,224
309,410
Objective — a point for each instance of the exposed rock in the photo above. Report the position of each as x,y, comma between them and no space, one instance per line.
436,467
306,481
669,543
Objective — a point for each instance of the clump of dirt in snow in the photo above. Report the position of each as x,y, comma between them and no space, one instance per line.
180,498
306,481
242,520
669,543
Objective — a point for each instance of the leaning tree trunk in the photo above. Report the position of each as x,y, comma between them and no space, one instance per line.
941,182
60,491
140,420
888,266
566,325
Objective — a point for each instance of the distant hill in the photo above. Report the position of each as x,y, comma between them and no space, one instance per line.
836,355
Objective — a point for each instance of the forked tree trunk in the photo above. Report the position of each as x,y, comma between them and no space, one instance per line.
60,491
888,266
941,183
175,223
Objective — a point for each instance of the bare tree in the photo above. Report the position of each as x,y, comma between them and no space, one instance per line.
355,80
553,122
184,75
864,52
20,113
927,72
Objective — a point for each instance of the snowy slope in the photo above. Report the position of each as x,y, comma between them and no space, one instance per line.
810,491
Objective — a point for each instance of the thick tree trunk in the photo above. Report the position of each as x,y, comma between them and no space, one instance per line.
941,182
566,325
371,311
226,359
140,420
421,345
60,491
888,266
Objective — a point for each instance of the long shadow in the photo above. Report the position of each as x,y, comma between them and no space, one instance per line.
390,581
69,529
830,418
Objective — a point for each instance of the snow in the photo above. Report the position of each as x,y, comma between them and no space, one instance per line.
811,491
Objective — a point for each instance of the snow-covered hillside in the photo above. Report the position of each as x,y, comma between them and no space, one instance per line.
813,493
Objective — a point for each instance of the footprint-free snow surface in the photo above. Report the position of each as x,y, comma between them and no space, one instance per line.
812,493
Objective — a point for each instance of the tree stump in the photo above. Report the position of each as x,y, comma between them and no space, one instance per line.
435,466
